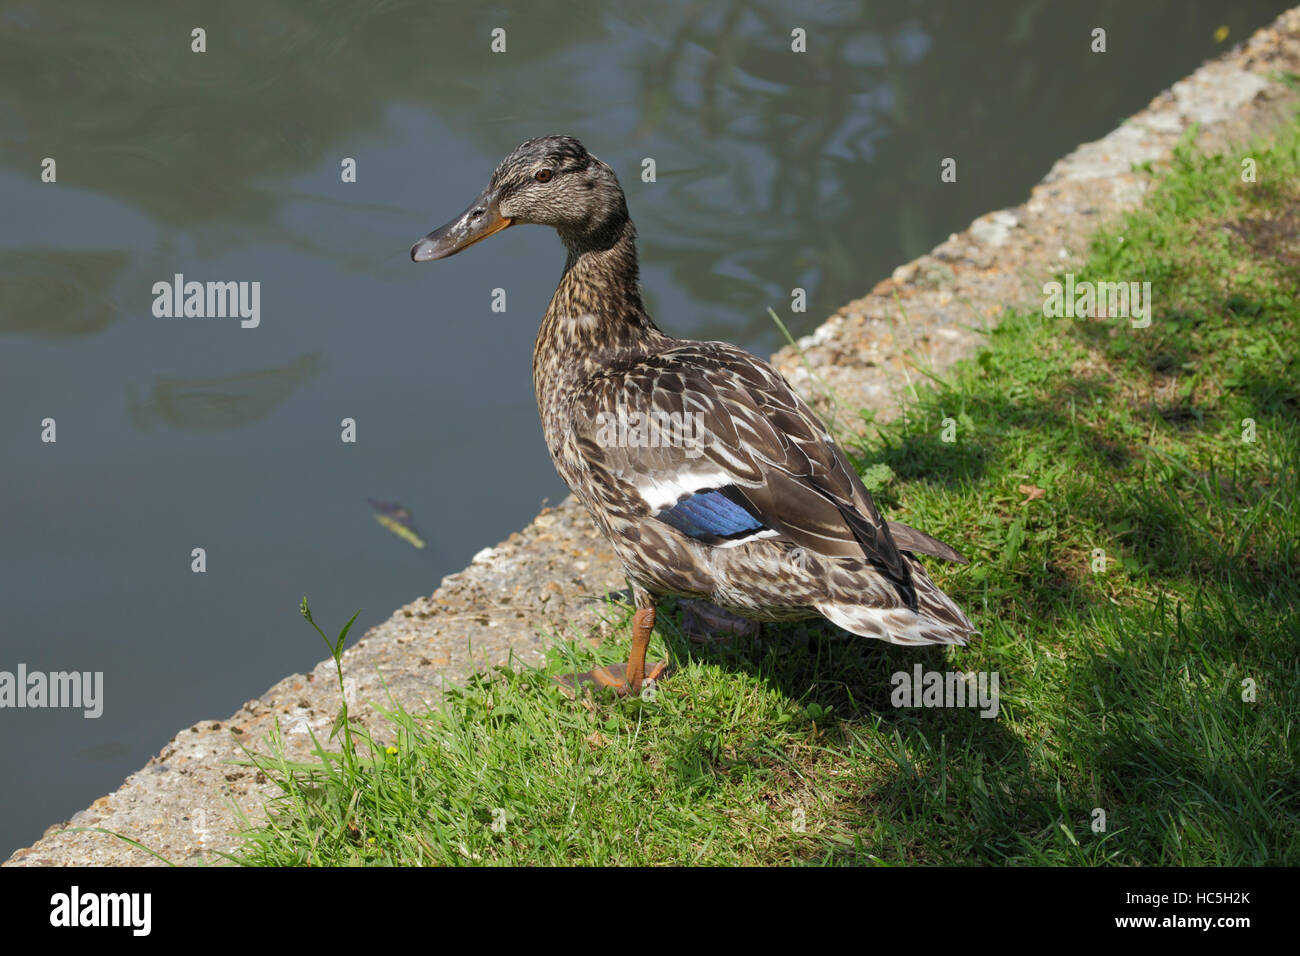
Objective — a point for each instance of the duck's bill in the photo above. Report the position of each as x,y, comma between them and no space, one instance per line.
476,223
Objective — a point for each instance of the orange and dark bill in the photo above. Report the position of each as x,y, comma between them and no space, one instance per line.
477,222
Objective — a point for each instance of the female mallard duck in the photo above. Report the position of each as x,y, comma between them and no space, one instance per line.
709,476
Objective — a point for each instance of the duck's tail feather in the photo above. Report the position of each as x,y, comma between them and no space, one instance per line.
936,620
909,539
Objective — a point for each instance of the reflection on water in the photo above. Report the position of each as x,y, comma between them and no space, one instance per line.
230,401
825,162
56,294
109,751
773,170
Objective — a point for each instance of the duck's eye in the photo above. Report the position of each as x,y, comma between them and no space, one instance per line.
543,175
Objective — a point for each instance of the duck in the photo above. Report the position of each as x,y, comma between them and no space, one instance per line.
707,473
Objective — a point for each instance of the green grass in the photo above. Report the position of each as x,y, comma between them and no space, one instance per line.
1121,690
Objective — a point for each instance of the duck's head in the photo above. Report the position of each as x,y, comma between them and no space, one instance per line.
551,181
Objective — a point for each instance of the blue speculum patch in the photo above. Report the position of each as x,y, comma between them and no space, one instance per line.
709,514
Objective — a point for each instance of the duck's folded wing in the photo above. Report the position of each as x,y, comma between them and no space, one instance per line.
909,539
713,441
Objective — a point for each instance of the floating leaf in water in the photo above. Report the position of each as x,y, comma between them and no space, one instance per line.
397,520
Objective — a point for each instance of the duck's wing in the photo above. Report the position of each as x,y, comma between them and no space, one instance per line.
909,539
714,442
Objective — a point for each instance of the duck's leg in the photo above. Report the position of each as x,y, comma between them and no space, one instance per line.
627,678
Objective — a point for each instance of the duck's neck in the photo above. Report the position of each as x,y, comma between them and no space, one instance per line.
596,316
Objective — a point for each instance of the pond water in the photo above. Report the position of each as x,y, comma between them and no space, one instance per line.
773,170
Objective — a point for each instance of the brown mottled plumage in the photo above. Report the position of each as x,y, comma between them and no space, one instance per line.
727,487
